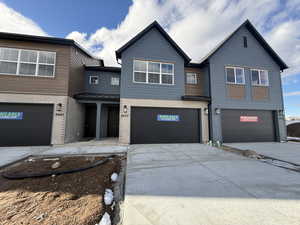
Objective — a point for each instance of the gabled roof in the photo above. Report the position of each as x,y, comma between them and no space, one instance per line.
43,39
258,37
163,32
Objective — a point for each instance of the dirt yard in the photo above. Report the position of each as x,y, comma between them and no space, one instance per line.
75,198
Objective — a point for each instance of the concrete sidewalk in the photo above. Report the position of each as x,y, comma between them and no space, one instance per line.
289,151
192,184
9,155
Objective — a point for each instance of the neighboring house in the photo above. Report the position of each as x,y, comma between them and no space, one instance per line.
38,77
157,95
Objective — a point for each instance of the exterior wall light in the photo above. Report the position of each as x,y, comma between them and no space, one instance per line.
217,111
125,109
59,107
281,114
206,111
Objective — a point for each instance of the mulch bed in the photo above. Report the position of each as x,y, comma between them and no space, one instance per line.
75,198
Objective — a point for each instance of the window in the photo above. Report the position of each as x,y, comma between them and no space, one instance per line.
115,81
260,77
27,62
245,42
94,80
153,72
191,78
235,75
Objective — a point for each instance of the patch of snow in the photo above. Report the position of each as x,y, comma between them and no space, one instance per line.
108,196
293,138
114,177
105,220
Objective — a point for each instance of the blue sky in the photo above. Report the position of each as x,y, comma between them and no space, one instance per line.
103,26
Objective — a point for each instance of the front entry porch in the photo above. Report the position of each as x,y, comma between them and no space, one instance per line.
101,120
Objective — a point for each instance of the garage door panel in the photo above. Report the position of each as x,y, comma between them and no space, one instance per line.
247,126
33,128
151,125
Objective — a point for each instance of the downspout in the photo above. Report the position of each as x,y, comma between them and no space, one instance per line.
210,132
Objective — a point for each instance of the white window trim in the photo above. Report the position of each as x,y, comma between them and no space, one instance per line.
195,77
111,79
147,73
259,78
234,69
37,64
90,79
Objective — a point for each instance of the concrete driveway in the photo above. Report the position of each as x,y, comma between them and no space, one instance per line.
289,151
194,184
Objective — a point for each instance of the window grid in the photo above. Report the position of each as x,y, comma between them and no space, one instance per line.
37,63
235,74
194,79
147,73
259,77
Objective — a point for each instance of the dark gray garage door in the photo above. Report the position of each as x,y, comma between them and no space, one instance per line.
164,125
247,126
25,124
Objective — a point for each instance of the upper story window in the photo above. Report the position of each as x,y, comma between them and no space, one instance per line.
191,78
115,81
94,80
259,77
153,72
27,62
235,75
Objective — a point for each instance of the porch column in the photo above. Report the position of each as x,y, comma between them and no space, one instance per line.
98,121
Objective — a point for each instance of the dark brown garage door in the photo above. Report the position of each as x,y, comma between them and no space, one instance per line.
247,126
25,124
164,125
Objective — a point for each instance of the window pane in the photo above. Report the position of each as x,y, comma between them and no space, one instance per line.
8,67
153,78
47,57
239,76
139,77
28,56
230,75
154,67
94,80
191,78
166,79
167,68
264,77
45,70
254,77
27,69
8,54
115,81
140,65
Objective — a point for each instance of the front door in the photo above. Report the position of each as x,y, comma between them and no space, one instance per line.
113,121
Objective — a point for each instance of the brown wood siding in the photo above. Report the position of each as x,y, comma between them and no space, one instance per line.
38,85
77,61
195,89
236,91
260,93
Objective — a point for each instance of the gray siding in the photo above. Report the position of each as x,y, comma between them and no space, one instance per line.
233,53
152,46
104,86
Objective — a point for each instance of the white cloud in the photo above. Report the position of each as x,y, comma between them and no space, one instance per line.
198,25
14,22
295,93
